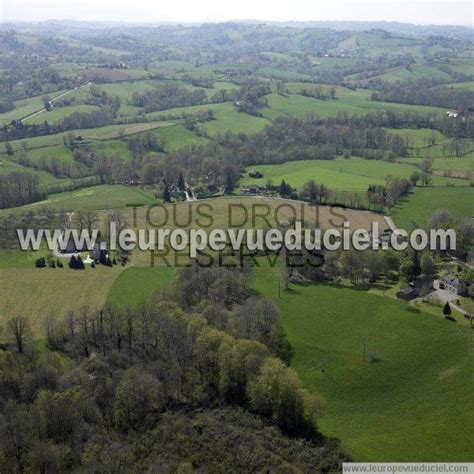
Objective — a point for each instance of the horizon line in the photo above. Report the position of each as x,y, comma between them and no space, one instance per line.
242,20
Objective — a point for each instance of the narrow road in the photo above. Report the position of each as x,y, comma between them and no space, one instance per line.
390,223
189,198
52,100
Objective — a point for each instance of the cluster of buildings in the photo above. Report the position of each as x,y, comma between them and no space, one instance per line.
418,288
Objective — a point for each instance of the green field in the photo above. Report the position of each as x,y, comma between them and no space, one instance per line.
339,175
416,137
347,101
93,198
58,113
412,404
417,208
178,136
449,164
463,85
135,285
25,107
108,132
52,291
227,118
125,90
418,71
45,178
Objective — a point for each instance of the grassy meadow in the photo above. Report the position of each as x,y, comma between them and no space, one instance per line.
410,403
421,203
136,284
93,198
341,175
39,293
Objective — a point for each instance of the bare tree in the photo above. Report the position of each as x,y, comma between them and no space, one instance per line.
19,330
87,220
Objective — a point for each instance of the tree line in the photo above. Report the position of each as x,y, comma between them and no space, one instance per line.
17,189
418,93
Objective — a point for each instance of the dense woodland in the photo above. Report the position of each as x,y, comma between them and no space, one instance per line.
165,387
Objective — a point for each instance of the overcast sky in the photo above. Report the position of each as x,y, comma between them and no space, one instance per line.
419,12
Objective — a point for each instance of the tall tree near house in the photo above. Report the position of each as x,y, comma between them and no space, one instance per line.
166,194
19,330
428,267
87,220
310,191
46,102
73,262
283,188
416,263
180,183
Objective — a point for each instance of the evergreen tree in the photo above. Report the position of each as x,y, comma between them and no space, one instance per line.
73,262
181,184
416,263
166,194
283,190
447,309
103,257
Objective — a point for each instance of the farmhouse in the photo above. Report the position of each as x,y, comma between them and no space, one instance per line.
449,113
255,174
71,247
452,284
253,190
407,294
416,288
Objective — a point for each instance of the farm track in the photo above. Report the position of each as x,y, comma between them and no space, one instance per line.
54,99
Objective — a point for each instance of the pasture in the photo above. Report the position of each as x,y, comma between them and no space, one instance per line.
108,132
42,292
25,107
94,198
448,164
58,113
135,284
396,381
421,203
347,101
45,179
340,175
178,136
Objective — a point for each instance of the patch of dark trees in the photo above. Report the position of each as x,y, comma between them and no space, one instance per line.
17,189
421,94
